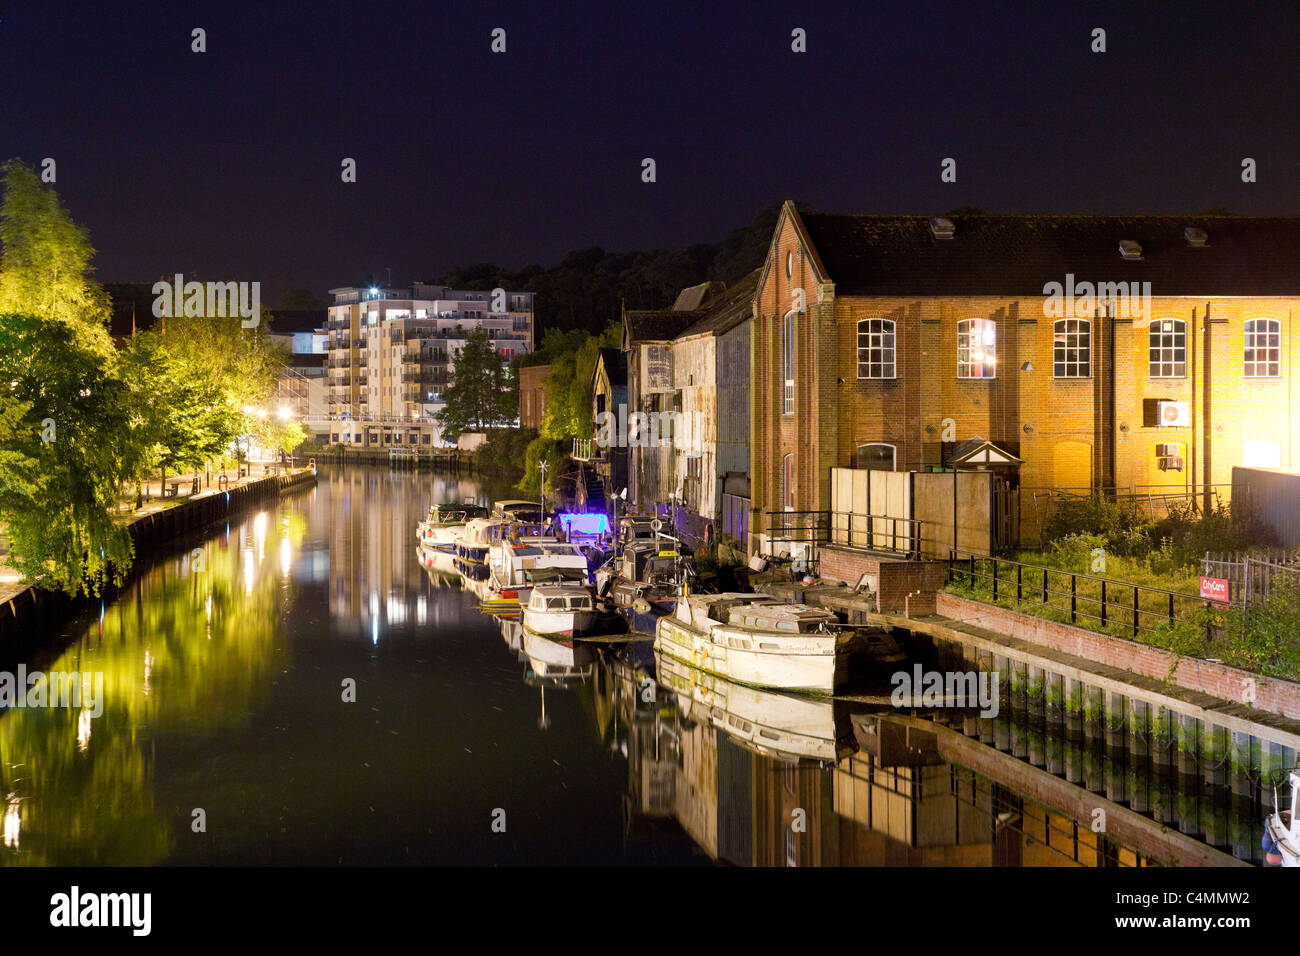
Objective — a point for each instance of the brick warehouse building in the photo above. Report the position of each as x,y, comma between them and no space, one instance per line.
918,337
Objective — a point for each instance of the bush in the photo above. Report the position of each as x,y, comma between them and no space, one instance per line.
504,450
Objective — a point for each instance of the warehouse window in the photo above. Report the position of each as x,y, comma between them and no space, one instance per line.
1263,348
787,364
875,457
1072,348
1168,348
977,348
876,348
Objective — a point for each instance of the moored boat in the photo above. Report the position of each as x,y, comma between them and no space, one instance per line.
474,546
523,564
649,572
559,609
758,640
1282,829
446,522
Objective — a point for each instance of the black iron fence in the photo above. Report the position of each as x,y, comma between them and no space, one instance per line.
1085,600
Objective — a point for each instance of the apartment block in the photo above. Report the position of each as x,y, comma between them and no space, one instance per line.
392,354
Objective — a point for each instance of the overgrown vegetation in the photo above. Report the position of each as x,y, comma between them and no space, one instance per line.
1164,556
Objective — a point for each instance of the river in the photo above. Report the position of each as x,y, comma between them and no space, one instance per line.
295,688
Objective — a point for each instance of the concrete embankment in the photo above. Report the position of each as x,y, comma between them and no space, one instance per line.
28,617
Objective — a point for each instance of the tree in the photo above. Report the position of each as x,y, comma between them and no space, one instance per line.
67,442
46,256
301,299
474,398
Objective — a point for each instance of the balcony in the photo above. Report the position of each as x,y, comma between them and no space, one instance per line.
586,449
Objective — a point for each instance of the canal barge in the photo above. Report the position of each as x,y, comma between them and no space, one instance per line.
758,640
648,575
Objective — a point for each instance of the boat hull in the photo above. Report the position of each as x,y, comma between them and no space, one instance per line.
560,623
806,663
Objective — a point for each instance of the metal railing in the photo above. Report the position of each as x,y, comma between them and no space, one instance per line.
1098,603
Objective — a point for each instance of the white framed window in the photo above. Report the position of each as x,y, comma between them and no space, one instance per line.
977,348
1167,347
876,348
1263,348
787,364
789,265
787,483
1072,348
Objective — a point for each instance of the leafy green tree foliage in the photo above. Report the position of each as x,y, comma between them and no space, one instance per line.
44,255
475,400
67,442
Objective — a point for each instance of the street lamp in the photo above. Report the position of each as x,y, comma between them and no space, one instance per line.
541,466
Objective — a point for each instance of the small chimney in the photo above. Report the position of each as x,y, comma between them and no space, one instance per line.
942,228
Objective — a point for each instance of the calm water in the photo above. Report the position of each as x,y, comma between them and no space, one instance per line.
224,672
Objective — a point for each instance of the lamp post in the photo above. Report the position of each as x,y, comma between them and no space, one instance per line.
541,466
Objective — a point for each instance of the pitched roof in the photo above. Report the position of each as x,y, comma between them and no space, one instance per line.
615,362
655,325
697,296
728,309
1018,255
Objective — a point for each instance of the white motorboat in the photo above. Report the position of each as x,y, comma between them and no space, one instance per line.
475,543
522,565
777,725
565,609
756,639
1281,829
445,523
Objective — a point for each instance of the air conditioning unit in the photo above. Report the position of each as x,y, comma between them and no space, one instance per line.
1169,450
1173,414
1171,464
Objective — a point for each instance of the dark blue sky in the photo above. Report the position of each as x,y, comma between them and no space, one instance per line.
226,164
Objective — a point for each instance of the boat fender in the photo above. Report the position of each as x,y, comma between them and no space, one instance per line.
1273,859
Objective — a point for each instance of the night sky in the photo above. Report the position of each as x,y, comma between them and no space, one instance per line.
226,164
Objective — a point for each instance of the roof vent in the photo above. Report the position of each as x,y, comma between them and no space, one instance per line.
942,228
1194,236
1130,249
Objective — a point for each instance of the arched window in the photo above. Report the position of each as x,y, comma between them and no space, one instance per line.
876,457
1072,348
1263,348
787,364
876,348
1168,348
977,348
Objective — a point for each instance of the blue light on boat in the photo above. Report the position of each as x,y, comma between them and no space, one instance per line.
580,523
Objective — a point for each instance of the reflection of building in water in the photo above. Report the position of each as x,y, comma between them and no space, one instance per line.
376,582
896,791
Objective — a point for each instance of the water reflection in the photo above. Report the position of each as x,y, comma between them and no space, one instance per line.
222,671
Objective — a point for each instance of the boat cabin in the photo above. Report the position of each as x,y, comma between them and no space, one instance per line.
547,597
519,510
785,618
453,513
646,561
533,562
705,611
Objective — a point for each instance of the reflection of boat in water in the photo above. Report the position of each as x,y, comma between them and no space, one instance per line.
772,724
437,561
756,639
445,523
564,609
554,653
1281,832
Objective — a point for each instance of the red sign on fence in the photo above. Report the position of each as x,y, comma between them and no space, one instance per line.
1216,590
